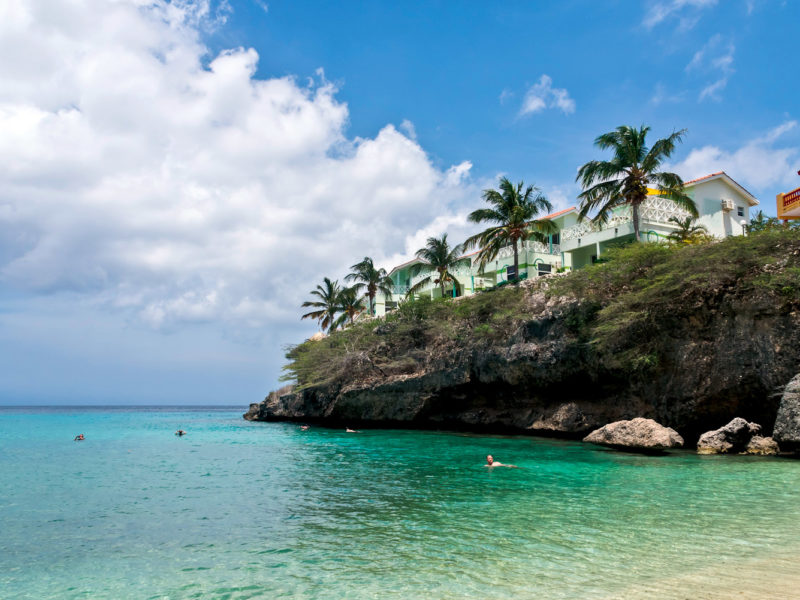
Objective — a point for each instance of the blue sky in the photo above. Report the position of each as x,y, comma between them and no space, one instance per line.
175,177
459,72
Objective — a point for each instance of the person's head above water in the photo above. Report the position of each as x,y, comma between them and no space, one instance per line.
491,462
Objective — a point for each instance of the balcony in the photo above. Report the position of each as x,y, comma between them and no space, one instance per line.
399,291
652,210
537,247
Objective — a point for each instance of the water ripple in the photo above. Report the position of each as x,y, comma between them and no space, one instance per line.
250,510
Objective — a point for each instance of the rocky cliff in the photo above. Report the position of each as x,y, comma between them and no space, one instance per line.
690,336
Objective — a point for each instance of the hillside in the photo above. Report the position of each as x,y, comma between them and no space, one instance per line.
690,336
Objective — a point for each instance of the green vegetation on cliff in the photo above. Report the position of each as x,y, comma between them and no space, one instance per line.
626,311
403,341
641,293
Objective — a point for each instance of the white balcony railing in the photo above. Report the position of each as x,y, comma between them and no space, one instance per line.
543,248
399,290
652,210
538,247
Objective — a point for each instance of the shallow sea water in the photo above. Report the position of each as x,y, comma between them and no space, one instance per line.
253,510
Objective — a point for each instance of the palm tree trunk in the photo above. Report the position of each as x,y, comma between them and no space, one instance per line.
636,222
441,281
516,261
372,305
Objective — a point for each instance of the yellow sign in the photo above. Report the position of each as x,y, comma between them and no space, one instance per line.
789,205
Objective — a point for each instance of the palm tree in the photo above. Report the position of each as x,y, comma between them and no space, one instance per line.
371,280
514,211
688,232
349,304
761,222
327,305
439,257
623,180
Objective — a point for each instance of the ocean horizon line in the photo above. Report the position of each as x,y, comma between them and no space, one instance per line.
122,406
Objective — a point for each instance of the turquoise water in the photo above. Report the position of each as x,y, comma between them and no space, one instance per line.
255,510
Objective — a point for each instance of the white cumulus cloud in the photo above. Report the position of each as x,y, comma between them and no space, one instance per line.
543,95
760,163
144,175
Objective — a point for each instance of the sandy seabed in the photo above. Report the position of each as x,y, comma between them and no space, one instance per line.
774,578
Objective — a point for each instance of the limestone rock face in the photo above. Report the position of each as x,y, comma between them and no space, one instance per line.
731,438
636,434
787,423
567,418
762,446
541,377
252,412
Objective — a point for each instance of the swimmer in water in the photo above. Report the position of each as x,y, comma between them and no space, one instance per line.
491,462
348,430
79,438
303,427
180,433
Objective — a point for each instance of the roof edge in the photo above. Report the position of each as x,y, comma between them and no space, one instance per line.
727,179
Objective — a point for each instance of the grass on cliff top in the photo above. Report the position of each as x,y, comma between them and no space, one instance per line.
656,272
644,291
630,302
407,339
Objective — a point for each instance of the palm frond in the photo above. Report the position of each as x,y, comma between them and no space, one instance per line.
624,179
485,214
418,287
328,294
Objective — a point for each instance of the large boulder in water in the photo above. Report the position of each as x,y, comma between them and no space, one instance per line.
787,422
762,446
636,434
731,438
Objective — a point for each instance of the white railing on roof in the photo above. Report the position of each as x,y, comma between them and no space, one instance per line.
652,210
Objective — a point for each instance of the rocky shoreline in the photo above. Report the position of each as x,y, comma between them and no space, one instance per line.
638,434
691,339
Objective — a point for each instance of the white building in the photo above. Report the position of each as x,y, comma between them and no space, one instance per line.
723,206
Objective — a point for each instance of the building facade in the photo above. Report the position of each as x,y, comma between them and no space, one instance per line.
723,206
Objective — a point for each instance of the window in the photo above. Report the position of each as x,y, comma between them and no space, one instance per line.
740,211
555,238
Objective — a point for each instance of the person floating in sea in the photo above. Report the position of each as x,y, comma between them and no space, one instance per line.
303,427
491,462
79,438
348,430
180,433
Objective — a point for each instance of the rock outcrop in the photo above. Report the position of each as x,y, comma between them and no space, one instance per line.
636,434
732,438
568,418
691,339
762,446
787,422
